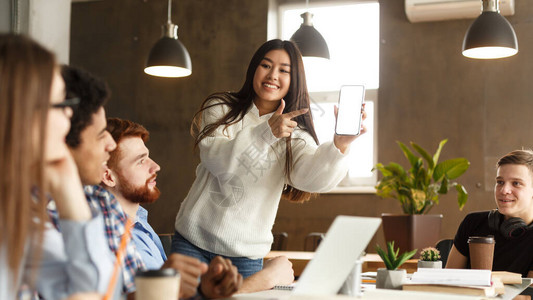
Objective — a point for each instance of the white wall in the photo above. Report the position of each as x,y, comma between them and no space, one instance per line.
5,15
49,23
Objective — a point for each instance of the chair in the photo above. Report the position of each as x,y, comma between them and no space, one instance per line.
166,241
312,241
280,241
444,246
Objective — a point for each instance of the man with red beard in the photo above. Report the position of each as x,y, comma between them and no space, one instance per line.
130,177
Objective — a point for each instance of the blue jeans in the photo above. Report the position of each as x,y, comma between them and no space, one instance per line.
246,266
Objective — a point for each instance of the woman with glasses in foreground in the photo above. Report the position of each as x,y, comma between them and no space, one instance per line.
37,167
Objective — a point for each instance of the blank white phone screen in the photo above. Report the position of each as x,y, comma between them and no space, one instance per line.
349,114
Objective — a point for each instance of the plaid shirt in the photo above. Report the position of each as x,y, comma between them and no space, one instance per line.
115,221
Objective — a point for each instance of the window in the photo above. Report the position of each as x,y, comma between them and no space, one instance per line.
351,30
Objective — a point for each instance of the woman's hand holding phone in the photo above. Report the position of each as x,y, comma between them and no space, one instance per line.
342,142
349,116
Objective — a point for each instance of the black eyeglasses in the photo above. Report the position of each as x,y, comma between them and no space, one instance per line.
66,103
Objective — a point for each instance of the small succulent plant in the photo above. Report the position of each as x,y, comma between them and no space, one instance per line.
391,258
430,254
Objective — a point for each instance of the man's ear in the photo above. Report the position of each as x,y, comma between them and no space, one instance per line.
109,178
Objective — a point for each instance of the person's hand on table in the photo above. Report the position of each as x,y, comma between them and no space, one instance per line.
190,270
222,279
280,270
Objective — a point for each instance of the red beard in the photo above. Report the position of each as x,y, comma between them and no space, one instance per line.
142,194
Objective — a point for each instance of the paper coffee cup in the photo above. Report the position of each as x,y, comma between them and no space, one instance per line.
161,284
481,251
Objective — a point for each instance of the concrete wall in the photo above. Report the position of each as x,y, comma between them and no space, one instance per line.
428,92
112,39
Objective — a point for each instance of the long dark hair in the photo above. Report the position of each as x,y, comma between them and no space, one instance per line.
26,71
239,102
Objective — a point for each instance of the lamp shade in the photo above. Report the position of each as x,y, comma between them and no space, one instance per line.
309,40
168,58
490,36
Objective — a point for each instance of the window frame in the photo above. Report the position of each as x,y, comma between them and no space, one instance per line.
367,186
364,185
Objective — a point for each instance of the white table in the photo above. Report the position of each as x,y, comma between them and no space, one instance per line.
377,294
511,290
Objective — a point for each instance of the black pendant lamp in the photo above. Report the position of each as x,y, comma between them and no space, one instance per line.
308,39
169,57
491,35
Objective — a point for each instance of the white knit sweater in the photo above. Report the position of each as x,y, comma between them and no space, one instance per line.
232,204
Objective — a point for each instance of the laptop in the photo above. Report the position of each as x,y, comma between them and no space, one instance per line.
335,257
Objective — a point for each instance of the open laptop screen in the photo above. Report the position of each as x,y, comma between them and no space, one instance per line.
335,258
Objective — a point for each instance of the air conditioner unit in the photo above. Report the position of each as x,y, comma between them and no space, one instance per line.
439,10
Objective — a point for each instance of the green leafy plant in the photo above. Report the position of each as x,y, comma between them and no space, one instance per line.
418,188
430,254
391,259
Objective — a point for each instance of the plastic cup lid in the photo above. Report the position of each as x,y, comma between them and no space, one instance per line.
157,273
482,239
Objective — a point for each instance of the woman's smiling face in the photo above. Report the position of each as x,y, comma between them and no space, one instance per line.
272,78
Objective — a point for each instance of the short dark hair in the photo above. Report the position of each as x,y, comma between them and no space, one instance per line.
518,157
93,93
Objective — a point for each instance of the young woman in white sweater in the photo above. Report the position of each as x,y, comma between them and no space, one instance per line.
257,146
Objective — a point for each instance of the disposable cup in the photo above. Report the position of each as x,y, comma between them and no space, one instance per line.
481,251
157,284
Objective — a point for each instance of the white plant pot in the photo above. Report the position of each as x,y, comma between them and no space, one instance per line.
430,264
390,279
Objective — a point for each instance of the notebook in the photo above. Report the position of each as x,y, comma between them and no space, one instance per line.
335,257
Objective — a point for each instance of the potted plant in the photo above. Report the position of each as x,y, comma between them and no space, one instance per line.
430,258
417,190
391,277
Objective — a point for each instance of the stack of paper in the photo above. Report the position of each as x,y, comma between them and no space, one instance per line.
455,281
452,276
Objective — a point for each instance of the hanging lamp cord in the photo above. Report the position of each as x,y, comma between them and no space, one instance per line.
169,10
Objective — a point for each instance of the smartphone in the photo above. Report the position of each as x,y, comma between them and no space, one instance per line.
349,116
